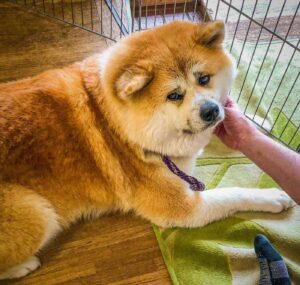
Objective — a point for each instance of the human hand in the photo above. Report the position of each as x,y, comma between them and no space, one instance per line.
236,129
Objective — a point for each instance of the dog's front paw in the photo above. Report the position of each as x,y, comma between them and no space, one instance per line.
274,200
21,270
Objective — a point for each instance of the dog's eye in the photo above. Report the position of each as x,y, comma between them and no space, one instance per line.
203,79
175,96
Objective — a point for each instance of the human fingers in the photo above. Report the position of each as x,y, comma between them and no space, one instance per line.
230,103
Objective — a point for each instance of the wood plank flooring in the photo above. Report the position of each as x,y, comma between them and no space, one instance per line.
115,249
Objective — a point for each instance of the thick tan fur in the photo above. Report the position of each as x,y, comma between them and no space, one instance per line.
70,142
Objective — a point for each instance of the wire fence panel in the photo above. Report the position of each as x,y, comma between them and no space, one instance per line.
262,35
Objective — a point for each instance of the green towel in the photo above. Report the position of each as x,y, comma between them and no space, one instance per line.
222,252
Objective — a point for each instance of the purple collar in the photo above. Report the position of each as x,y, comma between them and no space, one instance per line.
194,183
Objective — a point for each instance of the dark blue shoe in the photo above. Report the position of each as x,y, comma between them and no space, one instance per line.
273,269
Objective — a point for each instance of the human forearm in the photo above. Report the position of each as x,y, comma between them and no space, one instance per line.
281,163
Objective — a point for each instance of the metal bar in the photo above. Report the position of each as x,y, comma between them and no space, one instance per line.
272,135
228,11
296,132
279,85
188,16
53,10
259,24
237,24
111,17
184,8
92,21
116,17
217,10
72,11
164,16
44,8
133,16
252,56
155,10
67,22
128,13
289,120
101,15
286,99
81,9
265,56
276,61
140,13
205,14
147,15
96,6
122,5
248,29
174,10
195,8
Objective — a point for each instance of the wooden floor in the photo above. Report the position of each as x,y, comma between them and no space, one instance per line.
115,249
112,250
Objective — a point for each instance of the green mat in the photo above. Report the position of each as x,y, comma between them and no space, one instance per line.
222,252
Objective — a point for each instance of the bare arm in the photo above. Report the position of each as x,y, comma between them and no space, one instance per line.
281,163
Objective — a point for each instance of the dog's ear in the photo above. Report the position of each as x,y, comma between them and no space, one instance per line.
134,79
210,34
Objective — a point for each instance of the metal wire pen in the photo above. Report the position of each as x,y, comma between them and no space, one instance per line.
250,25
265,56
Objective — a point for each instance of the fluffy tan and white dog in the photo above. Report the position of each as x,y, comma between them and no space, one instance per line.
86,139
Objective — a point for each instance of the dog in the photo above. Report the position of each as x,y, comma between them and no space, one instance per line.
89,138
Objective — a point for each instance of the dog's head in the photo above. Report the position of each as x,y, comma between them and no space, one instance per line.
168,85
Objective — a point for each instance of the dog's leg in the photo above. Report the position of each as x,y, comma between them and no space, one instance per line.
220,203
186,208
27,223
22,269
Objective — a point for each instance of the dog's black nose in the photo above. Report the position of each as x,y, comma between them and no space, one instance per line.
209,111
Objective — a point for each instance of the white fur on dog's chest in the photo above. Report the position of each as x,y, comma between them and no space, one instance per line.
186,164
